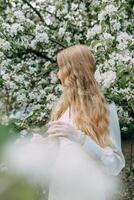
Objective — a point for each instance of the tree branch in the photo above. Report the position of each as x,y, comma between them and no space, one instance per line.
42,19
27,51
41,54
34,9
61,19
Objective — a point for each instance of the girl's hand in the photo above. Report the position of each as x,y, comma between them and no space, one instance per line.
61,129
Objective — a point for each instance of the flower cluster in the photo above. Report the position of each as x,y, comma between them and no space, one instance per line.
31,36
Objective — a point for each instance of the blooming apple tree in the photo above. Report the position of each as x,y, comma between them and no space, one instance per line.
31,34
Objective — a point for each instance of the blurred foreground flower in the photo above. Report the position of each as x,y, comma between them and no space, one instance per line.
40,160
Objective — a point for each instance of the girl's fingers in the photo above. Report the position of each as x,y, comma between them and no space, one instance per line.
57,135
54,130
58,127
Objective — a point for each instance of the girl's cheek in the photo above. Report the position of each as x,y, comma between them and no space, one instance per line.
59,75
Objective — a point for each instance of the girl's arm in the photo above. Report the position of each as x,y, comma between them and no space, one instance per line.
112,159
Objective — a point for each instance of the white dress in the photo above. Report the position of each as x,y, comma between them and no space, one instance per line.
87,172
69,170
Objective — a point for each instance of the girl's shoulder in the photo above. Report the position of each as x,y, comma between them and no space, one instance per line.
66,116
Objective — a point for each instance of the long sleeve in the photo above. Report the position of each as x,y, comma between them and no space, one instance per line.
112,159
114,126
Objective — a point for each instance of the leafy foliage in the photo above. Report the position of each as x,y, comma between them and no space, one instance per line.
31,34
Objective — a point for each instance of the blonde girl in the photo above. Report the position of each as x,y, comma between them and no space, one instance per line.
87,129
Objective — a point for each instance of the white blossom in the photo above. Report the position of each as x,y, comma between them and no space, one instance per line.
124,128
106,78
93,31
19,78
107,36
40,37
61,31
74,6
6,77
14,28
116,25
21,97
19,15
110,9
53,76
82,6
17,115
5,45
1,55
98,76
51,97
48,20
123,39
51,8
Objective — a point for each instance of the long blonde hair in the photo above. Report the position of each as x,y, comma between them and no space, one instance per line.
82,94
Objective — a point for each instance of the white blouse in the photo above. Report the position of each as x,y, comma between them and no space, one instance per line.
112,160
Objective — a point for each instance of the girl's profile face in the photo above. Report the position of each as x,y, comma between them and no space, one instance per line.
59,74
